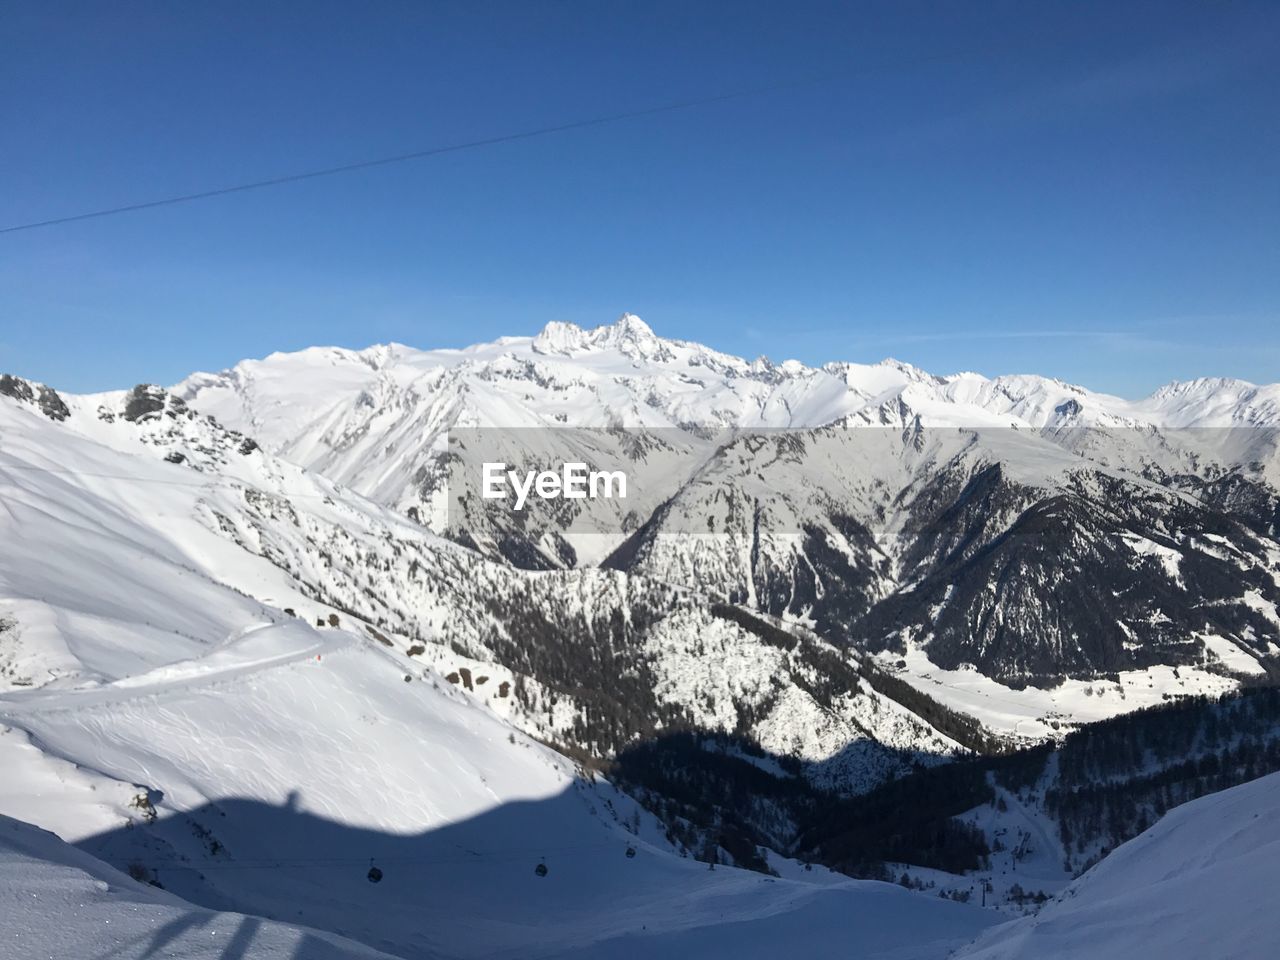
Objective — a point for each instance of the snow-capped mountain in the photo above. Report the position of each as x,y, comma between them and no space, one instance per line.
878,504
141,533
369,418
255,643
204,688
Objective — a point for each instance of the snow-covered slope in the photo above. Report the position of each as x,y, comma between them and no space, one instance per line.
57,901
271,774
141,534
164,710
249,673
1195,885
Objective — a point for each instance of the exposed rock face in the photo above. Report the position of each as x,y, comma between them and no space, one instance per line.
43,397
51,405
16,387
144,401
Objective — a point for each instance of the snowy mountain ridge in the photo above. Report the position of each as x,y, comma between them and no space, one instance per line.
630,348
189,696
223,618
378,420
851,498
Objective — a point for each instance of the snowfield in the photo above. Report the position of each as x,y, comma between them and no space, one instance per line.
163,712
1033,714
279,715
1195,885
272,774
58,902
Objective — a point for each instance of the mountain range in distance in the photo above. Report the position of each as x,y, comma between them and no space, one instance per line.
824,582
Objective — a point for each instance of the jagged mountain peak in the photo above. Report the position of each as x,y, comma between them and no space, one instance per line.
628,335
559,336
629,325
1180,388
370,417
37,394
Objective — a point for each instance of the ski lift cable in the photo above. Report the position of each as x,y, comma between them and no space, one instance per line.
529,134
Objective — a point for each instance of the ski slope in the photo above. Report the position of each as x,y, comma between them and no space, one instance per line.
287,761
1195,885
57,901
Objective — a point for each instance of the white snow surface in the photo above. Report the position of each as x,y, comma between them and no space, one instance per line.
1033,714
368,418
58,902
1192,886
289,760
161,711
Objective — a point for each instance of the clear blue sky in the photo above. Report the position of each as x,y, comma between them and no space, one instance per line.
1085,190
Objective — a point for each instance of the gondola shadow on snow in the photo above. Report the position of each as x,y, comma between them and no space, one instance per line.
414,893
517,876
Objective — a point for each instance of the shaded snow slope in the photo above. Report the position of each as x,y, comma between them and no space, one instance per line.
1192,886
279,768
57,901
